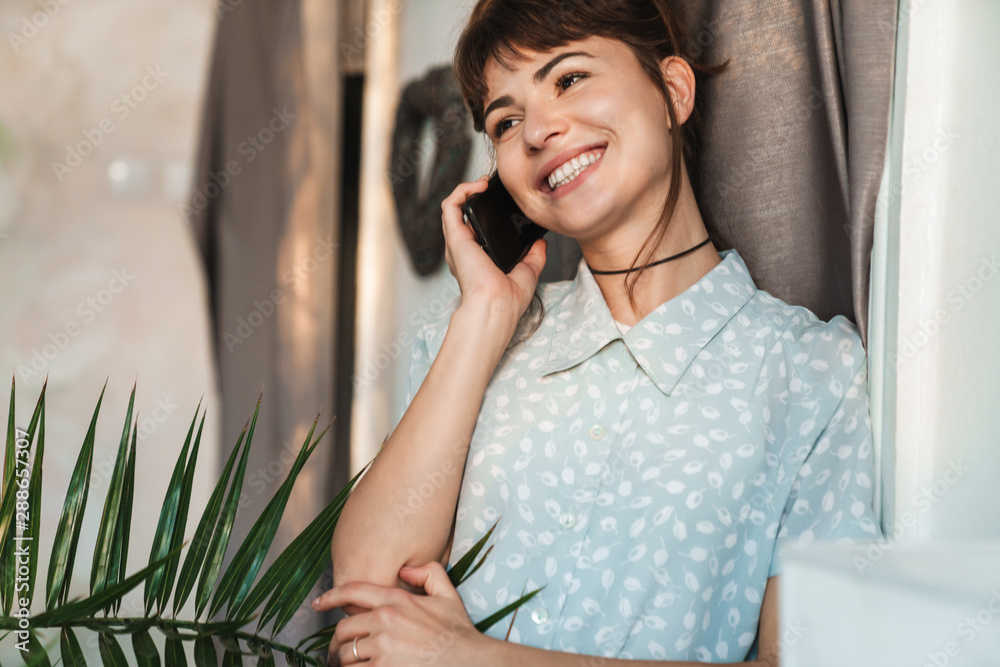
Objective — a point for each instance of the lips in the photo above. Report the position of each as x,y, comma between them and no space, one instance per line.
542,182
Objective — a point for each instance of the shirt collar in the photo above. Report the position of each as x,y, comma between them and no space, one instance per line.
666,341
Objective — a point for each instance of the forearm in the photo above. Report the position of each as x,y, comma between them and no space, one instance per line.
401,511
499,653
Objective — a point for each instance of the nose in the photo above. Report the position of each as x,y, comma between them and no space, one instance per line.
542,124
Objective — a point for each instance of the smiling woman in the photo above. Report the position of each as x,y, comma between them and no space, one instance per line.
644,443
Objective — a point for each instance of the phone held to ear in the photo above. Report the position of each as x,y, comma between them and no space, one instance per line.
501,229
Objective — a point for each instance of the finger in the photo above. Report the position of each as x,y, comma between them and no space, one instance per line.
530,267
359,593
432,578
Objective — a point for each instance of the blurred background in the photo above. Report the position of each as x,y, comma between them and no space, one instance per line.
218,200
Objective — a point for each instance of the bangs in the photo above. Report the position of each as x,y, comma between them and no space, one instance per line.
502,30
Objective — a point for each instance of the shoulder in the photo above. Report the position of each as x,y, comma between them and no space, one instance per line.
810,347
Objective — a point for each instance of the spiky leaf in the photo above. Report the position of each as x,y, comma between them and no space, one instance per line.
68,532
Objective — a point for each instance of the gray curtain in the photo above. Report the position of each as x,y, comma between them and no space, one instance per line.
264,216
793,143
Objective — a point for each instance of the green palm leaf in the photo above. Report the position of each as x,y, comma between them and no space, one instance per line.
246,563
200,543
72,654
145,651
164,536
68,533
174,653
15,471
274,599
220,538
491,620
204,653
107,549
112,654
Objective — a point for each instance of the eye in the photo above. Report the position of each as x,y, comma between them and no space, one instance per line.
571,78
501,127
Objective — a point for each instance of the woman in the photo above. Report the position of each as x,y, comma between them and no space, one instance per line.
643,441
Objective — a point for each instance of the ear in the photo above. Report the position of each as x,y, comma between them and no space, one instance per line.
679,77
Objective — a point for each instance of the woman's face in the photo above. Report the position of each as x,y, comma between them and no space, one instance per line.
586,119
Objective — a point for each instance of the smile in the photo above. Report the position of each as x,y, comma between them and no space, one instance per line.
570,169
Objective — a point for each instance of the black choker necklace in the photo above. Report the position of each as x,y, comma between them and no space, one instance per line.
659,261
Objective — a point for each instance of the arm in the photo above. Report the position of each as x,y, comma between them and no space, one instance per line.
499,653
372,540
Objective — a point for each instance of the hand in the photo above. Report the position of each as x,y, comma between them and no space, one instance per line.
478,277
403,628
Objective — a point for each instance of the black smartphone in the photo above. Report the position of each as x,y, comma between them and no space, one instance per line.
502,230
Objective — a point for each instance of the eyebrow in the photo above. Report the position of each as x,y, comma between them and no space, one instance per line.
507,100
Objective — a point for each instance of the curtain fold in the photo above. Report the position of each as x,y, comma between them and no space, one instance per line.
264,214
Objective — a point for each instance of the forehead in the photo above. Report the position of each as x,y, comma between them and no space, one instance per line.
526,62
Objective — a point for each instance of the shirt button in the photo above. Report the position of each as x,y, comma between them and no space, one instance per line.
597,432
567,520
539,615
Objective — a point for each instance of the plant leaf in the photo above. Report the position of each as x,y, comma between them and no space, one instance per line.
300,577
124,528
204,653
220,538
35,504
36,655
12,484
286,571
491,620
146,654
181,521
72,654
168,516
200,543
8,566
457,573
68,532
174,653
112,654
81,608
106,551
249,558
232,660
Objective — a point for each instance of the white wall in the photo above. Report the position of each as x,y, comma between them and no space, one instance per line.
947,445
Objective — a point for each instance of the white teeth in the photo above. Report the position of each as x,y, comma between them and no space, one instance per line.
571,169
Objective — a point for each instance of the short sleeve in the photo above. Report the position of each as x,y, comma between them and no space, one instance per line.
832,497
420,364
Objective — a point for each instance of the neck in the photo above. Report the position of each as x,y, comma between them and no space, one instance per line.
659,283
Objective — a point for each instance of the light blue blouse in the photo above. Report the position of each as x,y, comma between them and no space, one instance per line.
645,478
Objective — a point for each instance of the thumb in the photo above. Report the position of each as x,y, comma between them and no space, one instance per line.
432,578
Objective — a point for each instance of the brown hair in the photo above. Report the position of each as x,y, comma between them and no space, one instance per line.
498,29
